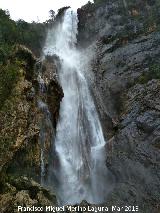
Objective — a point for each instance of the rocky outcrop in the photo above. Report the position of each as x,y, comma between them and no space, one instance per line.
117,19
126,49
19,128
26,193
117,68
22,120
29,139
133,152
50,67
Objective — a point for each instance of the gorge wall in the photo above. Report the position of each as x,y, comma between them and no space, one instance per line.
125,36
21,122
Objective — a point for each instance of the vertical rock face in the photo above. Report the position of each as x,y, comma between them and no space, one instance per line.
25,124
125,38
133,152
20,120
53,93
119,66
117,18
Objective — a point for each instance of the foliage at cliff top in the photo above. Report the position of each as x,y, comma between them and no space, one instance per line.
12,34
30,34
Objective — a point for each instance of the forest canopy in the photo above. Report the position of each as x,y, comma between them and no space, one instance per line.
20,32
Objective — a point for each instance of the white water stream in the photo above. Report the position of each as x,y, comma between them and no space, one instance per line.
79,143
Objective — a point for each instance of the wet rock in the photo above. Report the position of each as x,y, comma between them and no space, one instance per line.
54,97
52,93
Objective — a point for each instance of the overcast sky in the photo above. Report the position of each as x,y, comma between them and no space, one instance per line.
34,10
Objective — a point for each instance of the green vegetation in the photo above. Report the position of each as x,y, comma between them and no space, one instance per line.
153,73
31,35
8,29
13,55
155,70
8,78
99,1
19,63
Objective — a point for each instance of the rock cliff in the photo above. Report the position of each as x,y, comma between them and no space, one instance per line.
21,120
126,77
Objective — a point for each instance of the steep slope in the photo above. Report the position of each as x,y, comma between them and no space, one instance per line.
21,121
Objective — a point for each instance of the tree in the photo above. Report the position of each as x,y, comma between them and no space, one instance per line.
52,15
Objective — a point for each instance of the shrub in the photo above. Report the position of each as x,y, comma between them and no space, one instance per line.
155,70
153,73
3,56
8,78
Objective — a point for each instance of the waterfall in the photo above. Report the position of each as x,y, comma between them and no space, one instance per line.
79,143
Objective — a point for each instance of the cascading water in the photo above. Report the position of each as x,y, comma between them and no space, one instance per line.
79,143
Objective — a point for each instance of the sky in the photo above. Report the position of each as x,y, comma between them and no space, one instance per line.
36,10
